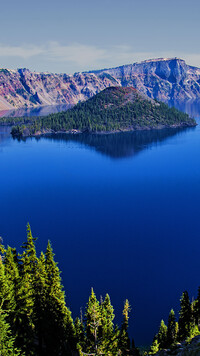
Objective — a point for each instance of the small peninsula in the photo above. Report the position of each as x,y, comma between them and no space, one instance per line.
114,109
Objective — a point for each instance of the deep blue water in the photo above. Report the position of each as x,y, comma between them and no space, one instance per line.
122,212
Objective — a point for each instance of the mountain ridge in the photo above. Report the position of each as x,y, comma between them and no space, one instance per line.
164,79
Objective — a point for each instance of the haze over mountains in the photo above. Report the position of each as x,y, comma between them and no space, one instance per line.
168,80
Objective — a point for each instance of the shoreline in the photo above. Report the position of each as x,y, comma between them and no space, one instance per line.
129,129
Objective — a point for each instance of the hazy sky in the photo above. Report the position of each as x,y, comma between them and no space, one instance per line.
77,35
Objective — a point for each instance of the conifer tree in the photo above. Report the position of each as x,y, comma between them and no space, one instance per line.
154,347
59,331
24,315
171,329
29,259
124,341
12,276
40,296
185,317
6,292
23,318
80,333
196,309
107,316
162,335
106,329
7,347
93,322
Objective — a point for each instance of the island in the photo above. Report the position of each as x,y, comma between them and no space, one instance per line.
114,109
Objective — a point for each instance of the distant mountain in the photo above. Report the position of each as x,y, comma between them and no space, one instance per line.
23,88
163,79
112,110
168,80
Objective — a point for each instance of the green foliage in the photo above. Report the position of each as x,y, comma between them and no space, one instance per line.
35,321
59,329
114,109
162,335
196,308
124,341
107,316
33,301
154,347
7,347
171,329
80,332
185,318
93,322
194,331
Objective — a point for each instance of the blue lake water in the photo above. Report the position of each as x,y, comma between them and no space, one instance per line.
122,212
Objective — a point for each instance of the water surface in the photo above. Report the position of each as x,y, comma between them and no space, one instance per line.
122,212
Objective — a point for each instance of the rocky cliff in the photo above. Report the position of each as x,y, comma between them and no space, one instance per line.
22,88
168,80
162,79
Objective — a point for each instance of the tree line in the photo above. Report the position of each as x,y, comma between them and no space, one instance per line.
34,318
187,326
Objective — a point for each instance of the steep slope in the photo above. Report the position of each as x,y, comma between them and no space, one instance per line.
162,79
168,80
21,87
114,109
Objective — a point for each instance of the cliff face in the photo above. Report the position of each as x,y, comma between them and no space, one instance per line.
162,79
24,88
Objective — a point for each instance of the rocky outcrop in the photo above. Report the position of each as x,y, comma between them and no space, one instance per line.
168,80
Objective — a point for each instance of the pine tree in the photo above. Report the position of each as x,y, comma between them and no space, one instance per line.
185,317
24,315
29,259
154,347
7,305
93,322
107,316
106,329
80,333
6,292
162,335
171,329
196,309
23,318
124,341
40,296
12,275
59,333
7,347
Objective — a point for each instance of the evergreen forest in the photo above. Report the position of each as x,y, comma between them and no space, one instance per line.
35,320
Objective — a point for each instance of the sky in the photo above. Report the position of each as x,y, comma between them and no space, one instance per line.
67,36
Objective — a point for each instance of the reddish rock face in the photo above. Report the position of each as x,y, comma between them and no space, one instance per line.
24,88
162,79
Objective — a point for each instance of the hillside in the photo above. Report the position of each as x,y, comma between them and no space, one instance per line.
114,109
167,80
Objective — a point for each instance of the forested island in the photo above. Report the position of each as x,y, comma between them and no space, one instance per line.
112,110
35,320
